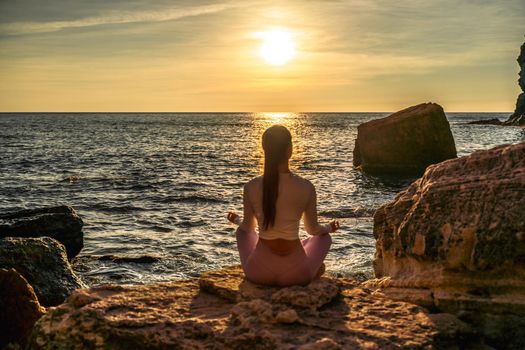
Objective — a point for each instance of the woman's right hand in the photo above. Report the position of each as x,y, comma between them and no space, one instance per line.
334,225
232,217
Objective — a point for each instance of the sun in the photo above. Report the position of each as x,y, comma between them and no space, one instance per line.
278,47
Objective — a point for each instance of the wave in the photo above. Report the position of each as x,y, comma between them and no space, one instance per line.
191,199
108,208
140,259
188,224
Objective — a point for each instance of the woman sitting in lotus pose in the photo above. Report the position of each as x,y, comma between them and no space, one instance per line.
276,201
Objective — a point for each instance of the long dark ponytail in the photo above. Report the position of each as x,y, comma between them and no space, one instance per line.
275,140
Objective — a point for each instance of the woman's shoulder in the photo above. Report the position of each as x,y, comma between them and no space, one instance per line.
302,181
254,182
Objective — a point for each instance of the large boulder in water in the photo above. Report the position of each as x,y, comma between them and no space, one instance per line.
455,241
19,308
221,310
43,263
61,223
405,142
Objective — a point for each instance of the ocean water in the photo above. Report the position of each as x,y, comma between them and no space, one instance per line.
161,184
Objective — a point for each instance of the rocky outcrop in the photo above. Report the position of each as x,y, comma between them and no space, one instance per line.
61,223
223,311
405,142
518,117
43,263
19,308
454,241
493,121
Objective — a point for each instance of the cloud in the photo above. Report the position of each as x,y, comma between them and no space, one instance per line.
114,17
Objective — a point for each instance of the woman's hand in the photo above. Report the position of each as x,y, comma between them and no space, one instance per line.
233,218
335,225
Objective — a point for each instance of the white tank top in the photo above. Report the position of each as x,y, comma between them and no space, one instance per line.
296,198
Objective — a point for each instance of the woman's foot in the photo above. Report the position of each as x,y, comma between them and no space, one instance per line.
320,272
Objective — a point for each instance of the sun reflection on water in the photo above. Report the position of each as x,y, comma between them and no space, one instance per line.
277,116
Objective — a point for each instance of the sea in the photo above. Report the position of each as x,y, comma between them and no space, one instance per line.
159,185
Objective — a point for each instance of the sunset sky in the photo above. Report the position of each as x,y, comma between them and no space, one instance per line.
355,55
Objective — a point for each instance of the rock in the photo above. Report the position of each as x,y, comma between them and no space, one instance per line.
493,121
454,333
454,241
518,117
203,314
287,316
313,296
231,285
19,308
405,142
61,223
43,263
321,344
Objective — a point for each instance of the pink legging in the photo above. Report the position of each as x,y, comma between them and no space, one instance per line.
263,266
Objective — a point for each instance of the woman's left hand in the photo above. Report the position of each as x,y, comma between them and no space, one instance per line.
335,225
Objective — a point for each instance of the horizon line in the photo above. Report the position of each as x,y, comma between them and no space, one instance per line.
233,112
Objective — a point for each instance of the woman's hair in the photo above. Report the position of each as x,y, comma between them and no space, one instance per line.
275,141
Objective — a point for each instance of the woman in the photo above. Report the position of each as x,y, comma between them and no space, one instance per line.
276,201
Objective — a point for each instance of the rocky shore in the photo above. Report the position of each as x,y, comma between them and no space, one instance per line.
449,265
221,310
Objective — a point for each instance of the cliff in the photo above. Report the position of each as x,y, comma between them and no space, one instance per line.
518,117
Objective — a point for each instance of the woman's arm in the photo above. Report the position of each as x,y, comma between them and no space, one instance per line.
311,224
248,220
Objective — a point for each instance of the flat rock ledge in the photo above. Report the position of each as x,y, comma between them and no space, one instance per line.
221,310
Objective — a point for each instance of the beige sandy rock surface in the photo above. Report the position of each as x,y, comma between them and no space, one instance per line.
223,311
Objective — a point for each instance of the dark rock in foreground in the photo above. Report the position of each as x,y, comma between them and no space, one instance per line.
19,308
43,263
518,117
61,223
455,241
405,142
223,311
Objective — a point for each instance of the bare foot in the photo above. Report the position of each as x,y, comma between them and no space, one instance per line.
320,272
